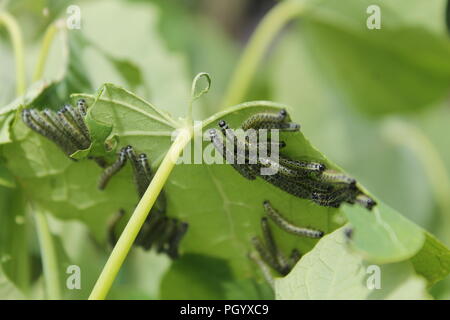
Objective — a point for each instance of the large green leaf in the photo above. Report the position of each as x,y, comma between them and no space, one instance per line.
221,227
331,271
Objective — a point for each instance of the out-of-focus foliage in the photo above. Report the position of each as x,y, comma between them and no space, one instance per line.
360,95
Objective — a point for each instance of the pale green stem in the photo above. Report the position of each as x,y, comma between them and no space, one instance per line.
260,41
410,136
17,42
48,254
50,34
129,234
196,95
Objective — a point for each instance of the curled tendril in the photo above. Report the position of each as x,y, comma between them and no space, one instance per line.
196,93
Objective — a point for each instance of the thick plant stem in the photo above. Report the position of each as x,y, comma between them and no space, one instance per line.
18,47
263,36
50,34
129,234
49,259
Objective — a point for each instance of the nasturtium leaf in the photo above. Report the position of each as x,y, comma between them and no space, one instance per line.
222,208
331,271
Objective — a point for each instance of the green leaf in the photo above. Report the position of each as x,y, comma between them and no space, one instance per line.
200,277
196,277
15,254
164,74
7,290
433,260
222,226
377,71
330,271
383,235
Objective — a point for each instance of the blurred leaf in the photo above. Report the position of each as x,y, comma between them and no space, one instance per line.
71,76
330,271
14,238
203,43
354,142
7,290
35,16
129,71
164,76
377,71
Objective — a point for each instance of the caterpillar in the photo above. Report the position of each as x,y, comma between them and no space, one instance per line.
66,128
247,149
77,118
82,106
48,129
53,121
142,179
365,201
270,121
244,170
158,230
302,166
265,255
304,179
263,267
281,222
337,177
113,169
280,259
270,254
334,198
72,130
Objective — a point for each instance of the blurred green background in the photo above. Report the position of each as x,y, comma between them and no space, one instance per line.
376,102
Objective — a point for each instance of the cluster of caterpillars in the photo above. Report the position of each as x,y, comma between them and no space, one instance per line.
268,252
304,179
68,130
159,230
66,127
